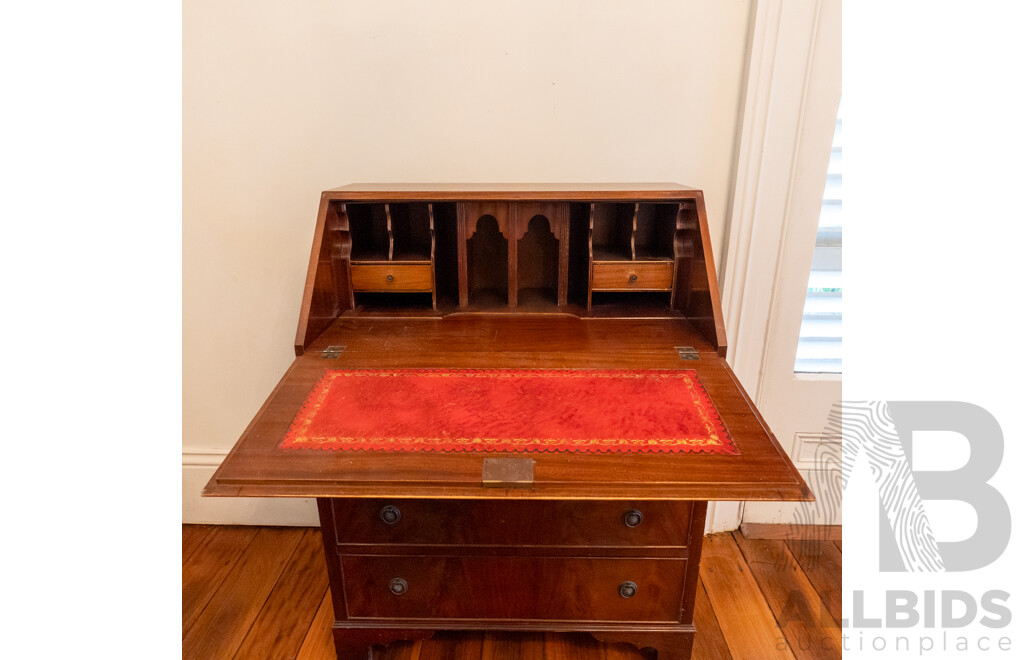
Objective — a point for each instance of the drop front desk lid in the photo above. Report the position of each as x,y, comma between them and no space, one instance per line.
760,470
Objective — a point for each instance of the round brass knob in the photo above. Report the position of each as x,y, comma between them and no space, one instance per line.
398,586
390,278
632,277
390,514
632,518
627,589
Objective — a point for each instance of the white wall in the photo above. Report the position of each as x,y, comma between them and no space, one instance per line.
283,100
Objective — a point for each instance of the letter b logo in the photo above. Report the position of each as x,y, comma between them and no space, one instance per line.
884,432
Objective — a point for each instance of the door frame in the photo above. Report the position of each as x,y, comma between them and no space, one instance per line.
776,102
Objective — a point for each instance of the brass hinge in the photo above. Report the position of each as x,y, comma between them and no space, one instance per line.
687,353
332,352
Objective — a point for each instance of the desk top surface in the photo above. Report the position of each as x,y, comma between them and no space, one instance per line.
258,467
512,191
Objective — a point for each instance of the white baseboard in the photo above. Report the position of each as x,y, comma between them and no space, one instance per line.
722,517
198,465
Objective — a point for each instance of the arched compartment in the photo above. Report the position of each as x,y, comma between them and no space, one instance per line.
487,256
537,267
513,248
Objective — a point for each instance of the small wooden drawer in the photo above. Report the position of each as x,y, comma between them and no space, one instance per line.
513,523
392,277
632,276
511,588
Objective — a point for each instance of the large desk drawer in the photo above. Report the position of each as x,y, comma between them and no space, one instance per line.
512,523
508,588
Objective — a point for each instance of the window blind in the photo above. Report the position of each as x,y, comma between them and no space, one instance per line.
821,331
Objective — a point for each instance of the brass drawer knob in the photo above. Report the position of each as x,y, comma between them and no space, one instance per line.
632,278
390,278
627,589
632,518
390,514
398,586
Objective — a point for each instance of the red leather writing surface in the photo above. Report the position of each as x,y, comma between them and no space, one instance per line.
573,410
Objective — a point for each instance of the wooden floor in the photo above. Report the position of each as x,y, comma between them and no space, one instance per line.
261,592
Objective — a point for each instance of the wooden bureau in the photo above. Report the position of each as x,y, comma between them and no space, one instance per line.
530,276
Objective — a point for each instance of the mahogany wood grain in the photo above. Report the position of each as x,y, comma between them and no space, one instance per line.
462,235
761,470
695,544
748,624
433,255
822,563
391,235
557,216
223,624
590,254
561,228
319,641
513,588
327,292
511,524
632,276
317,310
276,632
477,273
328,537
839,544
207,568
403,277
811,634
700,299
523,593
512,256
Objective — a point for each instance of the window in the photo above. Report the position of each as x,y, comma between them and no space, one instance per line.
821,332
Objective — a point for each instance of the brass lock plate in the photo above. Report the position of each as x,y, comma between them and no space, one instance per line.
507,473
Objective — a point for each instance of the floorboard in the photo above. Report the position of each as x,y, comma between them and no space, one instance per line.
709,643
453,646
319,642
822,563
276,632
403,650
192,536
207,567
750,628
226,620
810,631
261,592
